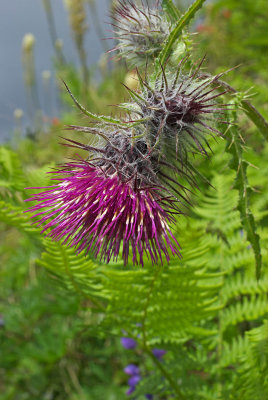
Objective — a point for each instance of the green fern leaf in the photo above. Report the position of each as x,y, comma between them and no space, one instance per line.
14,216
75,271
169,302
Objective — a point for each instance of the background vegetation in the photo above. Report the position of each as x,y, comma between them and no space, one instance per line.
62,315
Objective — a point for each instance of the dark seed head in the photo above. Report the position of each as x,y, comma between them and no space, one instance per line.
180,112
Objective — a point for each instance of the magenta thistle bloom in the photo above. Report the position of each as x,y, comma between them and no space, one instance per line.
107,202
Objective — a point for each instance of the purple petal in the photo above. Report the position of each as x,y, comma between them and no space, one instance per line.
132,369
134,380
130,390
158,353
149,396
128,343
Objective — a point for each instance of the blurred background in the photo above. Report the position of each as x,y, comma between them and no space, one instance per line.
53,35
48,350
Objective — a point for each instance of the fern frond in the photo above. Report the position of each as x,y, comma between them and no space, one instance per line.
249,308
238,285
12,177
218,204
252,380
76,272
168,302
14,216
234,351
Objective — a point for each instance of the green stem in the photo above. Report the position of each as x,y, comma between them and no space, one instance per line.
160,366
171,10
83,62
183,21
147,349
52,29
96,22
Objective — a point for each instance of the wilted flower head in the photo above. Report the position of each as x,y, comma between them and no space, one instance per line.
140,31
179,111
111,199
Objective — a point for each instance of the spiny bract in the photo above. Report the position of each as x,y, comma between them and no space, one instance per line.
179,111
140,31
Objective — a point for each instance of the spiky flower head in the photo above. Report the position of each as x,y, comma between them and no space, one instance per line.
180,111
139,30
111,199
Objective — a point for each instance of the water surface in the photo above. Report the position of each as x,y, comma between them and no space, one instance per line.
18,17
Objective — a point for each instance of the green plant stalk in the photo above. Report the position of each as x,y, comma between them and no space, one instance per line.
97,25
78,38
183,21
171,10
52,30
146,348
160,366
219,348
143,322
241,183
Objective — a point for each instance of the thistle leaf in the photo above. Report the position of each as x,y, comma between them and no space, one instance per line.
239,164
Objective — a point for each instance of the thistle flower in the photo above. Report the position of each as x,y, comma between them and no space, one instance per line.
139,31
179,111
111,199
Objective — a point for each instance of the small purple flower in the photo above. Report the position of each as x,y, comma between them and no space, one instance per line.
149,396
130,390
134,380
128,343
132,369
158,353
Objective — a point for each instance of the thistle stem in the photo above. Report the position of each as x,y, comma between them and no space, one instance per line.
183,21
